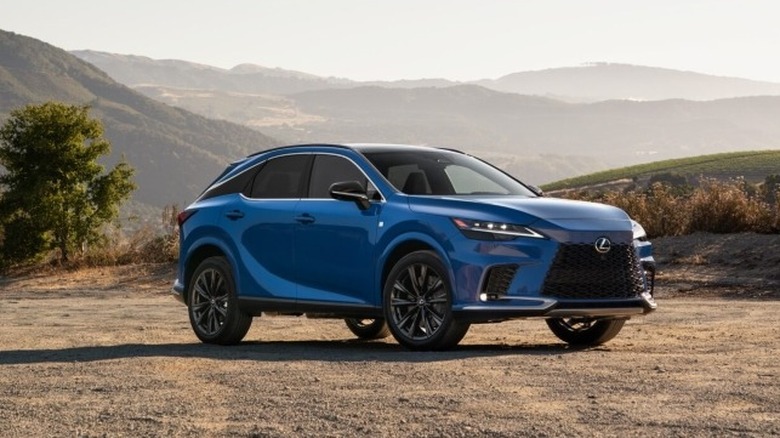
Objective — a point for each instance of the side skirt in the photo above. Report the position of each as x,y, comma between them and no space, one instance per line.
319,309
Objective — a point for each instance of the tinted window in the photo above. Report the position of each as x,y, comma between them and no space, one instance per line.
236,184
440,172
281,178
329,169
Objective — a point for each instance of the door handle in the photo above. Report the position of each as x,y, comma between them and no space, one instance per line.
235,214
305,218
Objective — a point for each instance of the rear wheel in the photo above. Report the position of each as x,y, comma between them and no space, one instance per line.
585,331
418,304
368,328
213,304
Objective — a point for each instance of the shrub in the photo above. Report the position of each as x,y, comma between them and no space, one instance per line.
713,206
728,207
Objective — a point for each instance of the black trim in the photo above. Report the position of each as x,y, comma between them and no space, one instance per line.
599,304
496,314
479,316
295,146
256,306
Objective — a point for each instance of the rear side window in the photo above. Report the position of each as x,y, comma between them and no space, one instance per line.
329,169
281,178
236,184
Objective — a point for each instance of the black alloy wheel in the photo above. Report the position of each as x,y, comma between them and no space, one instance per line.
213,305
585,331
368,328
418,304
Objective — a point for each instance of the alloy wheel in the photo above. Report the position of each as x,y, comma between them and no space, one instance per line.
418,302
210,302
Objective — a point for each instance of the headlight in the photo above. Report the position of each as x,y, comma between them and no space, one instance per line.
487,230
639,232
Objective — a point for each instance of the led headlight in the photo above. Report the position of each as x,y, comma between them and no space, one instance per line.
487,230
639,231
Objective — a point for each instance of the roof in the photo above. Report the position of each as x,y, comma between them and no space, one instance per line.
359,147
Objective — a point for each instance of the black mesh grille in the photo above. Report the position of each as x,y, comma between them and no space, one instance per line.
580,272
499,278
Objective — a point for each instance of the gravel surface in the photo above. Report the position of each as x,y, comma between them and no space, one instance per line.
107,352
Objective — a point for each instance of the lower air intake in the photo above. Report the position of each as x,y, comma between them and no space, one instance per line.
498,279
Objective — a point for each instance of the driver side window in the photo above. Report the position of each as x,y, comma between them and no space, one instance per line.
329,169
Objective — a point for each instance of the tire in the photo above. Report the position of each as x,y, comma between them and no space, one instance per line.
418,304
585,331
368,328
212,304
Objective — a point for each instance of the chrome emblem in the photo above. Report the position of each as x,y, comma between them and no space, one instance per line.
603,245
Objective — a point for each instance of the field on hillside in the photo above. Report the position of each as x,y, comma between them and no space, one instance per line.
108,352
753,166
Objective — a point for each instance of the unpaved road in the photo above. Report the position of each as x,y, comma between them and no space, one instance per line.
89,354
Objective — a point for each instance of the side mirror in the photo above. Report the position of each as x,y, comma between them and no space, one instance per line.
350,191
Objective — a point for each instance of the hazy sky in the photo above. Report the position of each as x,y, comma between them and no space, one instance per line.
410,39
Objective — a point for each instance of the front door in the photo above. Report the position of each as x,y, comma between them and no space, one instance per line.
334,240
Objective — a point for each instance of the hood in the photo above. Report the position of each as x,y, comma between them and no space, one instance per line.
563,213
555,208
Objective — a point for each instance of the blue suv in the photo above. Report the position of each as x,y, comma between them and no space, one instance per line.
416,242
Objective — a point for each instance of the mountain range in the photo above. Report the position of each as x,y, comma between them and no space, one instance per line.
601,116
150,114
175,152
587,83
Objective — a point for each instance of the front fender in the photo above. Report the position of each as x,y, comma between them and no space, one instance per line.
414,238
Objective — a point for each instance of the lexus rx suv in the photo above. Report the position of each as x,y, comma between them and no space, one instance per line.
416,242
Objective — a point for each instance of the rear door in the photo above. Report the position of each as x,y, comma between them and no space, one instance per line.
264,227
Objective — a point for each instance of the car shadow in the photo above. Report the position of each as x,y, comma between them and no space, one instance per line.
279,351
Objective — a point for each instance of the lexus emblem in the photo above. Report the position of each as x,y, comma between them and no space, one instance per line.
603,245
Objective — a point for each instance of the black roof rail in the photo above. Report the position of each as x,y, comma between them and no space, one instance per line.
293,146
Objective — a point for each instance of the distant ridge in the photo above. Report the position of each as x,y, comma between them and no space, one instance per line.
606,81
135,70
588,83
174,151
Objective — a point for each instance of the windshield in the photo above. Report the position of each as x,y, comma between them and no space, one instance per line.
440,172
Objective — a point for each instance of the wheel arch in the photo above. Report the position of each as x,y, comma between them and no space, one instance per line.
195,258
407,245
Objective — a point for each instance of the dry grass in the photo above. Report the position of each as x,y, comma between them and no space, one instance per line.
713,206
146,245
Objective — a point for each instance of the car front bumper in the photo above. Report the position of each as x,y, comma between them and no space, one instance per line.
509,307
178,291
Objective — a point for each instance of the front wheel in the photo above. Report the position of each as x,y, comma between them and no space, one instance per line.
585,331
213,304
368,328
418,304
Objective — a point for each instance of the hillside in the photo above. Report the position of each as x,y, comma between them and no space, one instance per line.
754,166
245,78
538,139
590,137
175,152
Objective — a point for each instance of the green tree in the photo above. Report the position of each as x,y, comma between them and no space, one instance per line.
54,194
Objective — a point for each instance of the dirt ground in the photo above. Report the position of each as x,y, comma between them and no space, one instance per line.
107,352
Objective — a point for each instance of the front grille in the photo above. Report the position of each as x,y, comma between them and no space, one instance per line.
498,279
580,272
